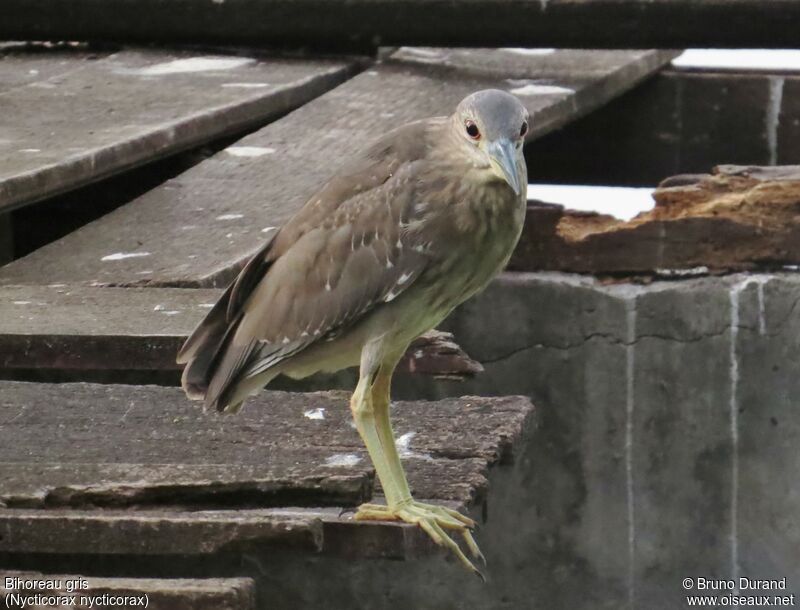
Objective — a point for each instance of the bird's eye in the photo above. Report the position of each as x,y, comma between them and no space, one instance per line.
472,130
524,129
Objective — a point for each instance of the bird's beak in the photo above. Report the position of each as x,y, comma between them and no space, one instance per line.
502,156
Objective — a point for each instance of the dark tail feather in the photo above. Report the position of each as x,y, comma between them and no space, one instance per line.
202,349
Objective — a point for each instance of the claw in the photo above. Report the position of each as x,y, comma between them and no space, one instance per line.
433,520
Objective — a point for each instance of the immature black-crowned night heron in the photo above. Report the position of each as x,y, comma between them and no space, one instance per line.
382,253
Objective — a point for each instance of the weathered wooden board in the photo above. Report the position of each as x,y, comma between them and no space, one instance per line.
735,219
154,532
141,329
84,444
338,24
74,117
80,448
198,228
153,593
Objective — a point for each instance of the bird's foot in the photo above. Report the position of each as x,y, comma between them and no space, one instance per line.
434,520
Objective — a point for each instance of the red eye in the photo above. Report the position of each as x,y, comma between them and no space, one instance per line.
524,129
472,130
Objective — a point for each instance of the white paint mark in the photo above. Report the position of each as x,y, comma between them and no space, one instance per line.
687,272
534,89
30,150
404,443
171,312
206,305
782,60
762,308
245,85
22,302
230,216
733,413
404,447
267,229
621,202
193,64
343,459
630,370
773,117
118,256
521,51
158,308
249,151
315,413
34,72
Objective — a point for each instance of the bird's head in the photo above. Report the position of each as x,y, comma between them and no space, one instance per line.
491,126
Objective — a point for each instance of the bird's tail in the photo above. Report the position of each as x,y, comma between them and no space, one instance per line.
204,347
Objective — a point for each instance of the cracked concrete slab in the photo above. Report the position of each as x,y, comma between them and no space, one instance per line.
667,443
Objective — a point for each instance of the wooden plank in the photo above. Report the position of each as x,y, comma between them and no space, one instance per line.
152,532
90,446
345,24
84,592
739,218
141,329
69,119
198,228
113,445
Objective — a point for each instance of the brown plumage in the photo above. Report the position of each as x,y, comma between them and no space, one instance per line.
382,253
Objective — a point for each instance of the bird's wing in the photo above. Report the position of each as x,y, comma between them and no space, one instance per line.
350,249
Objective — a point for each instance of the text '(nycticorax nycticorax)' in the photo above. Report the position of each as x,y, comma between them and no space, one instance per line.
379,255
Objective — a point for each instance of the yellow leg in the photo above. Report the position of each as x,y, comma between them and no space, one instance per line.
370,406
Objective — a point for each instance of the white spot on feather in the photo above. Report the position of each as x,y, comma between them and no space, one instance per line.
267,229
343,459
193,64
118,256
249,151
391,296
315,413
403,279
285,340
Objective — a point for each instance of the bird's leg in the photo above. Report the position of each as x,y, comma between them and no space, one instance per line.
434,520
